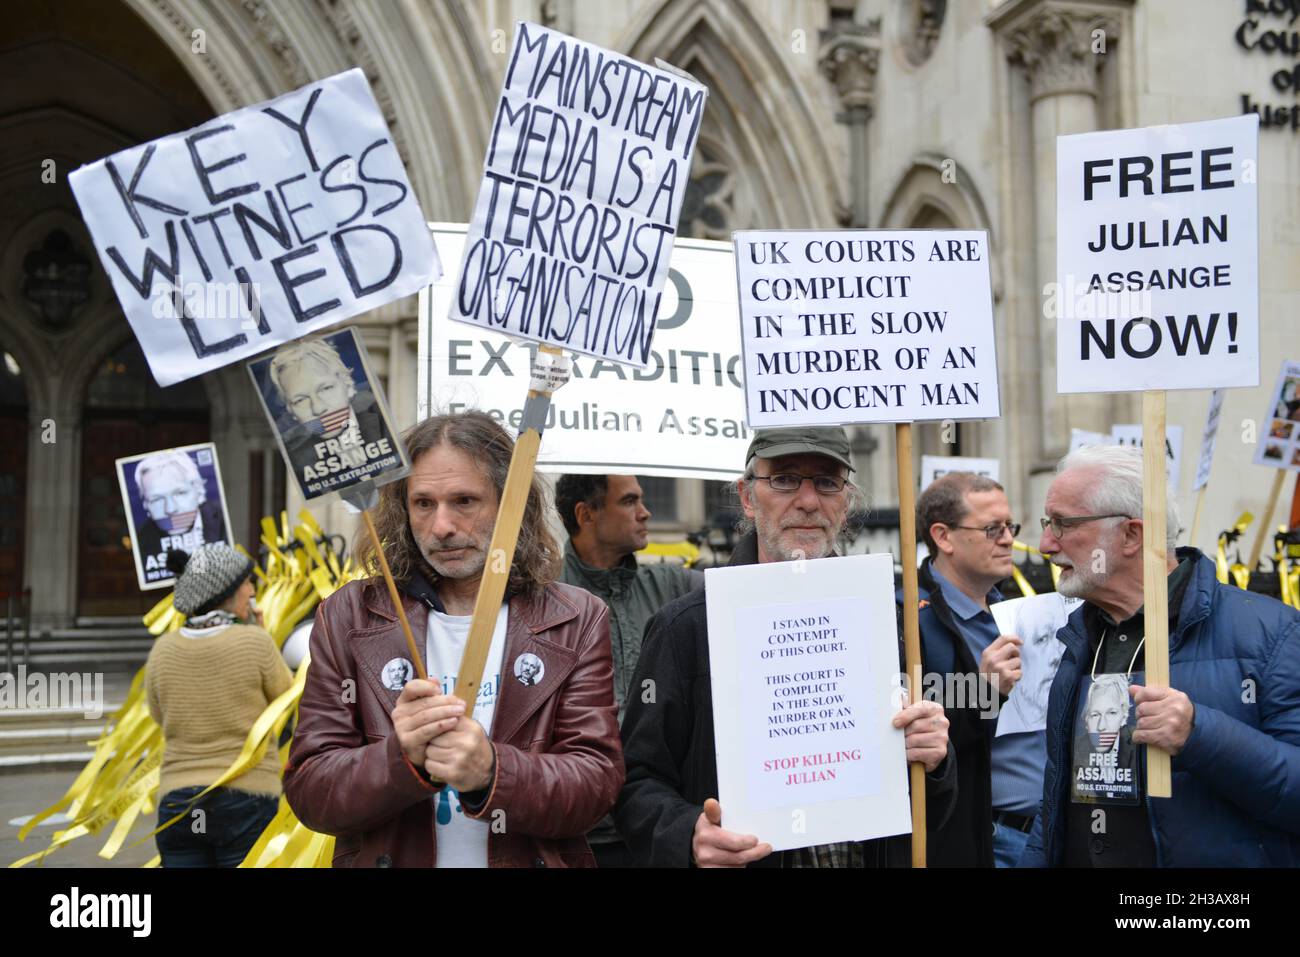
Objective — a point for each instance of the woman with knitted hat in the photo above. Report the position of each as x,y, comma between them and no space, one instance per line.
207,682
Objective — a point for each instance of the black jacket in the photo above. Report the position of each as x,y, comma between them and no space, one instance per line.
966,840
668,744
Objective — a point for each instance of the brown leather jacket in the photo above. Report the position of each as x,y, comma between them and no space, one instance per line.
559,763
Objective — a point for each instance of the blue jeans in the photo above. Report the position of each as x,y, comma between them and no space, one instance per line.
221,836
1008,845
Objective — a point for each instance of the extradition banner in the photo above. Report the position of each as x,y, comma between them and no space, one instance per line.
257,227
1157,264
680,417
859,326
804,659
587,164
174,501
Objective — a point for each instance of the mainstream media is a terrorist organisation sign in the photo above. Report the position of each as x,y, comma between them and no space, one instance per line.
588,159
858,326
257,227
1158,258
682,416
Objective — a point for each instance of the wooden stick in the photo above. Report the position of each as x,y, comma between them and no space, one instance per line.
501,554
1155,572
416,657
911,626
1266,520
1196,516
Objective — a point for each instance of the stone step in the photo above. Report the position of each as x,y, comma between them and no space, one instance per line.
49,740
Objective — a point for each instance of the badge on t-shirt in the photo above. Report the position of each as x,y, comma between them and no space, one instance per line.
529,669
1105,765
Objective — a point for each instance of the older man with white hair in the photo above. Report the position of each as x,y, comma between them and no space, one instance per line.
1230,718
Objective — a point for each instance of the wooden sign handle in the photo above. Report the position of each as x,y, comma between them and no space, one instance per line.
501,552
416,657
1155,572
911,625
1266,520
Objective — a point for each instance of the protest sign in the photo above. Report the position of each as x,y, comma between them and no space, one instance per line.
857,326
1279,443
328,413
934,466
1035,620
680,417
804,657
1131,435
174,501
1208,437
1081,437
587,163
257,227
1157,258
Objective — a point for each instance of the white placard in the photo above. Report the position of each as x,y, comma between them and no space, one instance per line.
933,466
1279,434
1131,435
856,326
586,167
1081,437
1157,265
681,417
1035,620
1208,437
804,658
257,227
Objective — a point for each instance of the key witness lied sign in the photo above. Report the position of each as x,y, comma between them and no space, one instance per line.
258,227
1157,258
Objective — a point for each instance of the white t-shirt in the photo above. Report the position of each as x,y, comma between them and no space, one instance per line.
462,842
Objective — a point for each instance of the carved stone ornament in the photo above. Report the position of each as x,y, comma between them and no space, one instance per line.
922,23
850,58
56,280
1062,48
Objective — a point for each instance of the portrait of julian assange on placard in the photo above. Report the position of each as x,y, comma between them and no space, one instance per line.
328,413
173,499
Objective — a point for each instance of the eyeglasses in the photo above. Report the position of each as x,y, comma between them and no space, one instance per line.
992,532
792,482
1060,525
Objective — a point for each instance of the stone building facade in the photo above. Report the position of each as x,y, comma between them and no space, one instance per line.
874,113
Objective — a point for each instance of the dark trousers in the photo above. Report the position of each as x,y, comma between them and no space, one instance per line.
613,854
218,831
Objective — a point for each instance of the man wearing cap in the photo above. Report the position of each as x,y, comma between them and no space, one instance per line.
795,494
606,516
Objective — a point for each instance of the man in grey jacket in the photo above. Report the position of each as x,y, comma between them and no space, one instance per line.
606,516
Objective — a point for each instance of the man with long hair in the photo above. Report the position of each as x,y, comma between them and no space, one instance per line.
399,774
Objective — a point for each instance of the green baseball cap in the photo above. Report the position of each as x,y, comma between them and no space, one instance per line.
831,442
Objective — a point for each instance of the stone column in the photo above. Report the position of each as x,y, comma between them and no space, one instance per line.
50,552
850,58
1061,45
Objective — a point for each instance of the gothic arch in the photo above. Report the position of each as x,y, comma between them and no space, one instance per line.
426,63
783,178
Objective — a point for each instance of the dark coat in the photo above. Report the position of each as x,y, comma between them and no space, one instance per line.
967,838
668,745
1236,783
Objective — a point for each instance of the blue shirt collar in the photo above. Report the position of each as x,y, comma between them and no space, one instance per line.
962,605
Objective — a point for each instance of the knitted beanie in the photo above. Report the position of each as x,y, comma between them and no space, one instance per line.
208,577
